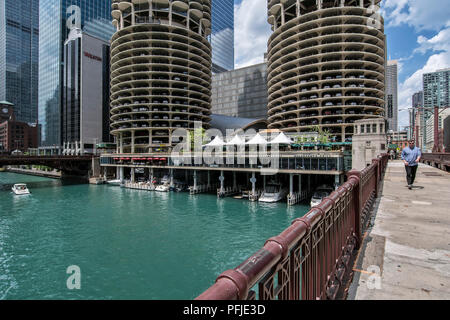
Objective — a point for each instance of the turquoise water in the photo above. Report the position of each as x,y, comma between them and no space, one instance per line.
128,244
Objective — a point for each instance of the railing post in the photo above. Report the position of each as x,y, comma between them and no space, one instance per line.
357,205
377,172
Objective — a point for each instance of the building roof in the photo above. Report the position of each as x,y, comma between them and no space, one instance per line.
223,123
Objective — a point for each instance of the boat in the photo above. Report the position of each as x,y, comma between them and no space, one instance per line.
115,182
20,189
319,194
273,192
163,187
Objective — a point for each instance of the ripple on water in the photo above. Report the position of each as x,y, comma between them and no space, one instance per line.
129,244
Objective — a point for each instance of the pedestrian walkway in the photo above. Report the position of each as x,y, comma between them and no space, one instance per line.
406,250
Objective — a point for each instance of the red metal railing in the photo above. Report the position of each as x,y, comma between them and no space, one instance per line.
438,160
309,259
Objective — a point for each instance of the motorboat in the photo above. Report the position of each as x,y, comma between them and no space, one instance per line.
273,192
319,194
20,189
163,187
115,182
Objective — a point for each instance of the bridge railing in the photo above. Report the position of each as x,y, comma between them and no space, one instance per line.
438,160
310,258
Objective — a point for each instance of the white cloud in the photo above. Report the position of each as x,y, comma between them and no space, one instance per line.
420,14
251,32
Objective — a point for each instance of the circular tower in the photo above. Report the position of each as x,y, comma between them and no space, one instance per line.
160,71
326,61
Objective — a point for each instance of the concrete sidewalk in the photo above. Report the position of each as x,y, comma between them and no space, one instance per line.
406,250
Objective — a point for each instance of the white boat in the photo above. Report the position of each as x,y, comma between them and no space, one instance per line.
273,192
163,188
114,182
20,189
320,193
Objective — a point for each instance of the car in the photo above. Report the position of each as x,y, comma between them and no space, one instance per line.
304,90
327,122
326,87
329,104
313,96
327,113
353,104
339,121
327,95
303,107
303,81
337,86
291,100
338,95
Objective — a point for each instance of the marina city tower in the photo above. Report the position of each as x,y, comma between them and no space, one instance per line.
326,65
160,71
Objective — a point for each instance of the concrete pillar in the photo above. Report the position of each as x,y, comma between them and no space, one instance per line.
209,179
253,181
117,173
121,175
291,184
132,174
222,179
195,179
264,182
234,180
171,178
337,179
121,143
132,141
299,183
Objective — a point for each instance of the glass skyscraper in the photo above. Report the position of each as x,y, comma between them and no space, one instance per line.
95,20
222,36
19,50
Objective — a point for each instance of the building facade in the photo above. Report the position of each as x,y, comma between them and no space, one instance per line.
57,18
19,53
241,92
417,105
436,93
325,65
429,129
15,135
369,141
222,36
160,72
85,104
392,95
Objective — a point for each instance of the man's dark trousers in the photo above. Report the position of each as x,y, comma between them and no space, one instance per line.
411,174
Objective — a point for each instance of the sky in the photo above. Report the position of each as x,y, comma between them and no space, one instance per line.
418,37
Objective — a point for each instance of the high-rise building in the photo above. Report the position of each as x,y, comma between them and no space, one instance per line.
57,18
241,92
222,36
19,52
85,112
160,72
326,63
416,113
436,93
392,95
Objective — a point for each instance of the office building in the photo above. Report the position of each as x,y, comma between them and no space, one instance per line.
436,93
417,105
241,92
85,103
429,129
160,72
15,135
57,18
19,53
325,66
222,35
392,95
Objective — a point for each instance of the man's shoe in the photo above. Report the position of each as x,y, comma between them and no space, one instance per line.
409,187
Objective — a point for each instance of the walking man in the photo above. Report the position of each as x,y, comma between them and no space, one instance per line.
411,157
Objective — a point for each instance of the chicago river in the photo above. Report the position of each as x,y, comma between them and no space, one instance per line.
128,244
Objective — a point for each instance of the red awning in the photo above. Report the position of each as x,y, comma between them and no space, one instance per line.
163,159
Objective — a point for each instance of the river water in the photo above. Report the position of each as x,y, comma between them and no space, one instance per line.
128,244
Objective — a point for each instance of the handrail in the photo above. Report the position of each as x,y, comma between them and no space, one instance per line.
310,258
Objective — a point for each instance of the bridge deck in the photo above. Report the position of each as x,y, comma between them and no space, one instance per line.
409,239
